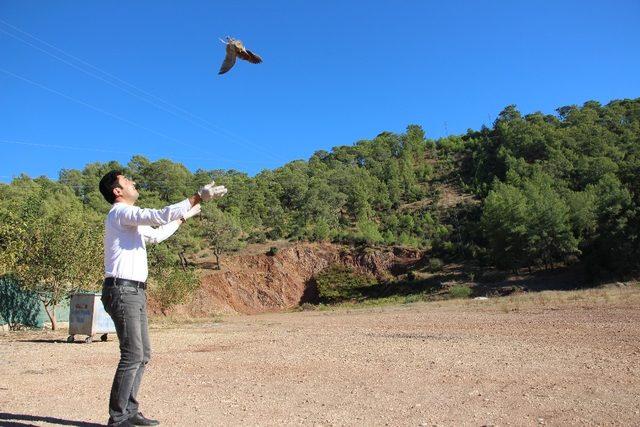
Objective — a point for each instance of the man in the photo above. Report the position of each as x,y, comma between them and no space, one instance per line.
127,230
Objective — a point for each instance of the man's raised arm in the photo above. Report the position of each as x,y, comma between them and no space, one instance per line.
132,215
157,235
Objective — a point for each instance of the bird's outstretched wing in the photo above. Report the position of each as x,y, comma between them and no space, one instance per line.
229,61
247,55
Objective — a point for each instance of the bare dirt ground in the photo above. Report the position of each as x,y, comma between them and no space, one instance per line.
550,358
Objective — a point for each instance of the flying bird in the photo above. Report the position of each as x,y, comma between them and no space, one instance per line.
235,49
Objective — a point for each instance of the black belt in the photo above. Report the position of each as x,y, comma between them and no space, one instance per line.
114,281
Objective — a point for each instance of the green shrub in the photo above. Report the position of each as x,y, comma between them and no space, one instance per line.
449,247
339,283
435,264
273,250
368,232
407,240
257,237
320,231
173,286
460,291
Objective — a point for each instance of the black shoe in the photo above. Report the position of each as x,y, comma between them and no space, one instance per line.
140,420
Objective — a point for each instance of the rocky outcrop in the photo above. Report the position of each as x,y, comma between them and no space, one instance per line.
257,283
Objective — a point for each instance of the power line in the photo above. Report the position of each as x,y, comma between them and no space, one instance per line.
93,107
216,129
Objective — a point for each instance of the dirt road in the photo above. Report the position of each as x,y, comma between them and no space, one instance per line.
539,360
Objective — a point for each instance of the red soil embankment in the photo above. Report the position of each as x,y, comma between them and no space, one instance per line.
254,283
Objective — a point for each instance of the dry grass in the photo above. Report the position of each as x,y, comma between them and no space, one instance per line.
609,295
181,321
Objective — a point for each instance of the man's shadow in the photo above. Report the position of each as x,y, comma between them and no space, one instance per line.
7,420
51,341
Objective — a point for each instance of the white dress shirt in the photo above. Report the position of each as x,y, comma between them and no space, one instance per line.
127,230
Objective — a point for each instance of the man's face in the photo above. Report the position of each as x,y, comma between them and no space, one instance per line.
128,191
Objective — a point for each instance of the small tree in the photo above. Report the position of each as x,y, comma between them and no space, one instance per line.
173,286
185,242
63,256
368,232
529,225
504,222
221,232
549,231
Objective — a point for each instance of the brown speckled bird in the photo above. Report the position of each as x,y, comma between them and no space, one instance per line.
235,49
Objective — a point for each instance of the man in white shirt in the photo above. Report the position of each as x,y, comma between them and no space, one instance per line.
128,229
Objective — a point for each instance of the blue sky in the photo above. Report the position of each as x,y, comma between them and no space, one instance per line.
94,81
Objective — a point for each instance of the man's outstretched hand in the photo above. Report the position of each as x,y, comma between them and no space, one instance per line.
195,210
212,191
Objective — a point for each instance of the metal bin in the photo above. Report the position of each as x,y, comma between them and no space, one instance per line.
88,317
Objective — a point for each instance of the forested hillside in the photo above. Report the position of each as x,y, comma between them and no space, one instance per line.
530,191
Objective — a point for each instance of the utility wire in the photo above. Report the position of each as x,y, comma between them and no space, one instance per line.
93,107
189,116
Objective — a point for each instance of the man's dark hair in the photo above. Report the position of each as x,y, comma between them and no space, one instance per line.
108,183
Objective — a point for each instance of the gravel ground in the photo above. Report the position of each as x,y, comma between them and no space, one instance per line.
570,361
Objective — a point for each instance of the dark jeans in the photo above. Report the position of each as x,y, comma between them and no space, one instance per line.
127,306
